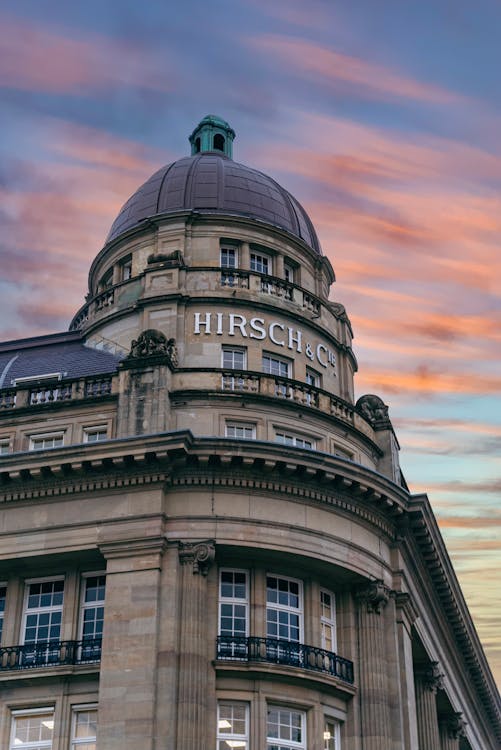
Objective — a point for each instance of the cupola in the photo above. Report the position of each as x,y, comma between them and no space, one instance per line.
212,134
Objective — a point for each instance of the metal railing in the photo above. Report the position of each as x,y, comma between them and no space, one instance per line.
50,654
276,651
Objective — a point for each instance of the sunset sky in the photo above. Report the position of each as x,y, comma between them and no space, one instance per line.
383,117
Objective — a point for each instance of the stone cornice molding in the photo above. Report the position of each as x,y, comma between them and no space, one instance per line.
125,548
200,555
405,606
374,595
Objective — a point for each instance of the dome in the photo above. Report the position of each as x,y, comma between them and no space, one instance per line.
211,182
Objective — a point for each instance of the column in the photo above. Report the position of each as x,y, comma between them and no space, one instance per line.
374,709
406,616
127,684
194,649
452,728
427,682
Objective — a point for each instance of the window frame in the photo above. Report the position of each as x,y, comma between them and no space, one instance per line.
276,358
258,260
125,266
294,439
221,736
290,272
89,605
39,610
34,437
330,622
24,712
284,743
4,443
337,734
234,350
95,429
244,426
3,601
276,606
231,249
82,742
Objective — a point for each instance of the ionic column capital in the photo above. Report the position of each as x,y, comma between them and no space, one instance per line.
200,555
374,595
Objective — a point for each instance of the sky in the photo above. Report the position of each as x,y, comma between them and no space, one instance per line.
381,116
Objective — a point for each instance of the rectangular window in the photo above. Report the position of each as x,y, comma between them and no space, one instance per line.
126,269
95,434
331,735
3,596
342,453
32,729
233,613
289,274
4,446
107,280
328,620
240,430
286,729
233,358
284,608
260,263
298,441
232,725
43,611
92,616
273,365
49,440
313,378
84,728
229,257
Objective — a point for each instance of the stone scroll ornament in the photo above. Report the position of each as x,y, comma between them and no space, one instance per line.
153,343
200,554
374,595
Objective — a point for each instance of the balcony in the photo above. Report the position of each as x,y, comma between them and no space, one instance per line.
50,654
56,392
289,653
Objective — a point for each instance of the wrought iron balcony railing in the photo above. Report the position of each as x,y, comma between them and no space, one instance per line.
50,654
275,651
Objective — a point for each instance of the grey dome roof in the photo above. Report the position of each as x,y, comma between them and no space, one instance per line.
212,183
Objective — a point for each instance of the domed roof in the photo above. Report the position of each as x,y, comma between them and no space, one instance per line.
212,183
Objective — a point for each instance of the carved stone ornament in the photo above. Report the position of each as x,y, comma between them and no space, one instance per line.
199,554
150,343
172,352
453,725
175,258
373,409
432,677
374,595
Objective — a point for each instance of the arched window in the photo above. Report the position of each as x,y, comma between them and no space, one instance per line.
197,145
218,142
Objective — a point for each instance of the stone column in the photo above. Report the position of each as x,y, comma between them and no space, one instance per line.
427,682
127,684
194,649
451,730
374,705
406,616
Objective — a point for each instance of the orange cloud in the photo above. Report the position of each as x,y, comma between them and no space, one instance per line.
426,381
32,58
348,73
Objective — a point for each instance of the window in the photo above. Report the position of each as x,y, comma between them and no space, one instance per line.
95,433
233,614
49,440
289,273
284,608
331,735
313,378
285,729
126,268
42,621
92,615
218,142
342,453
273,365
260,263
298,441
229,257
3,596
233,358
84,728
107,280
240,430
32,729
4,446
328,620
232,726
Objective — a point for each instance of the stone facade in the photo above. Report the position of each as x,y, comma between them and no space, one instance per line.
207,542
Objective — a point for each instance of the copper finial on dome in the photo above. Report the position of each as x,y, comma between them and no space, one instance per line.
212,134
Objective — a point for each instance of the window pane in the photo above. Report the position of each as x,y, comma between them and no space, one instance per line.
34,731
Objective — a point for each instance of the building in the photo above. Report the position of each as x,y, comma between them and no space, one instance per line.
205,541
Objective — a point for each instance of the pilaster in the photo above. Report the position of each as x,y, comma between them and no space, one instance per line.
427,681
406,615
195,561
374,703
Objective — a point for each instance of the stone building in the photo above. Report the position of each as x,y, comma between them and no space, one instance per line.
205,541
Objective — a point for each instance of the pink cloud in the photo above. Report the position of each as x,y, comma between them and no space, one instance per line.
34,58
347,73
